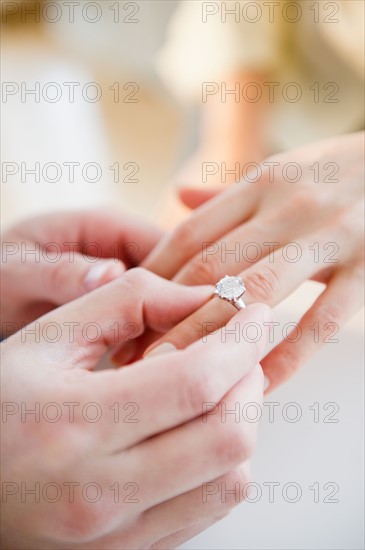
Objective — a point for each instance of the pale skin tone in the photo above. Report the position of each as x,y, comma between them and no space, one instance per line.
231,135
61,256
304,212
160,476
231,130
323,218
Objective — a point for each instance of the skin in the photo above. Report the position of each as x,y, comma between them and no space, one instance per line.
231,135
160,476
153,455
231,131
33,284
328,212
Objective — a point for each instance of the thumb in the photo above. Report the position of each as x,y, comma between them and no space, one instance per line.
68,278
195,197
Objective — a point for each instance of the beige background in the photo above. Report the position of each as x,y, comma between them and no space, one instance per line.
156,134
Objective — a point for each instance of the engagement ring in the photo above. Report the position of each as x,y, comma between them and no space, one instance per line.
231,289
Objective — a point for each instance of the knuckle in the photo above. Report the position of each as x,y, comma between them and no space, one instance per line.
199,328
263,283
85,521
344,224
288,362
203,272
329,314
295,207
305,200
131,283
347,223
136,275
183,236
195,391
232,446
233,485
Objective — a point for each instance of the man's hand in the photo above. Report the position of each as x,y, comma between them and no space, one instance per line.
122,458
53,259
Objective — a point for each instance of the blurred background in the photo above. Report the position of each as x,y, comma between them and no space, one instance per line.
97,124
117,102
155,89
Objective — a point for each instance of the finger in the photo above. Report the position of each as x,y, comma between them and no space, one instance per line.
119,235
170,389
197,508
269,281
195,197
113,314
215,218
176,540
56,277
239,250
99,233
196,452
125,536
337,303
59,281
133,351
73,260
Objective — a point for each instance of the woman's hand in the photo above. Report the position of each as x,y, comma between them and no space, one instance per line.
121,458
52,259
301,219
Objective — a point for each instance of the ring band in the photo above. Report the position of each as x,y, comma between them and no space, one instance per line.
231,289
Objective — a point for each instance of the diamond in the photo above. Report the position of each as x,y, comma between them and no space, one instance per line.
230,288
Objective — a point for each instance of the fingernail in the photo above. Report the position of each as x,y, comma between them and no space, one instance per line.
95,277
166,347
266,383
